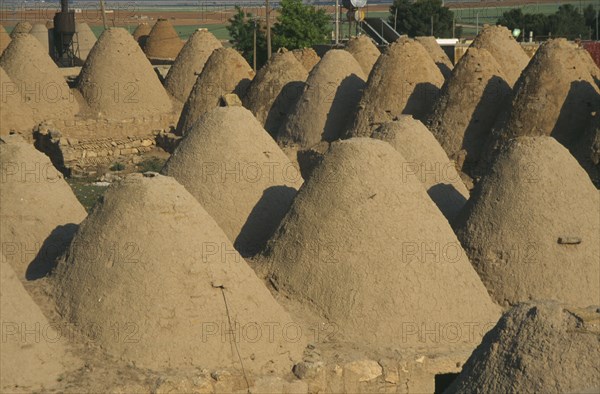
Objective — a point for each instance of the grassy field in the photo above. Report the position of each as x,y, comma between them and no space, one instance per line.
492,14
85,191
470,17
496,12
219,30
88,191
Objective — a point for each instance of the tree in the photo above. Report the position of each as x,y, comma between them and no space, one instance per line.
515,19
415,19
590,15
299,25
568,22
241,30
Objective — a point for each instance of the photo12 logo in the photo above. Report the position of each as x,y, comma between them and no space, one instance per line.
35,93
444,332
432,252
28,172
249,172
269,332
113,253
29,333
122,93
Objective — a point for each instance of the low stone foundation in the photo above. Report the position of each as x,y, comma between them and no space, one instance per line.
326,370
90,156
92,128
81,147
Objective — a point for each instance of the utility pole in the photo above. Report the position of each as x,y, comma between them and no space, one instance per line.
268,11
453,26
254,55
337,22
432,25
103,14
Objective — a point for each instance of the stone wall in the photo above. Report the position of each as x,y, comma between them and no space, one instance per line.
98,127
80,147
87,156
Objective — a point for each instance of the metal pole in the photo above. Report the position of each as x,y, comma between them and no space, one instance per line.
103,14
268,11
477,31
254,56
432,25
337,22
396,19
453,25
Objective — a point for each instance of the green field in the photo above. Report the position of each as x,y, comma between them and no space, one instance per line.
496,12
219,30
86,192
487,14
469,18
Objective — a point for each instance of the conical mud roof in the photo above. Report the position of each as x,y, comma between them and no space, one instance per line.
468,106
332,91
143,29
40,32
437,54
531,226
275,90
225,71
405,80
176,282
368,249
28,64
307,57
427,162
21,27
32,358
364,51
116,62
541,347
499,41
189,63
86,38
163,42
238,173
15,113
141,32
556,96
39,213
4,39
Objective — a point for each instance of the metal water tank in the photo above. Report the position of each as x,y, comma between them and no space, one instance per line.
353,4
64,28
